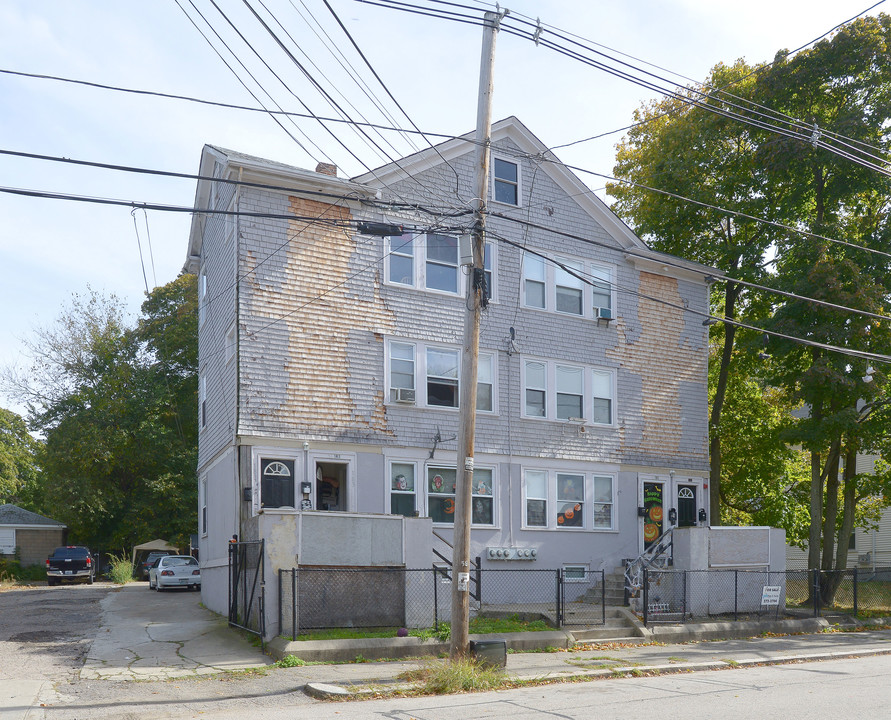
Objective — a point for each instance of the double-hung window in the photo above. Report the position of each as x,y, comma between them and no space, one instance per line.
441,493
402,489
402,260
573,393
429,376
534,281
570,500
570,383
602,507
485,383
402,372
535,487
602,290
442,377
602,400
506,176
442,263
202,296
569,287
536,389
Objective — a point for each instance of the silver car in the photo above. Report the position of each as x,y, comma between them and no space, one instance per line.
175,571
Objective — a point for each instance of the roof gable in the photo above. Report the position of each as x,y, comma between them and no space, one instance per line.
528,143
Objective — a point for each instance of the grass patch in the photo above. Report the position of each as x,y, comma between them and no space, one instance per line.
456,676
478,626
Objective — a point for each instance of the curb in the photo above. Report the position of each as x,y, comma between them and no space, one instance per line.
326,691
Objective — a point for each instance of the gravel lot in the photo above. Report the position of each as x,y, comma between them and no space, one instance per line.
45,632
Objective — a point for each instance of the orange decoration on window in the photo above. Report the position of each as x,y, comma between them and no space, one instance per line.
449,506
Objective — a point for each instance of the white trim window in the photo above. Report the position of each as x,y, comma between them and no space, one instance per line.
230,343
505,181
401,357
429,376
569,288
431,262
554,390
602,286
535,389
575,573
602,397
202,399
403,489
202,296
535,276
535,490
441,482
442,377
485,383
602,507
568,500
582,289
203,491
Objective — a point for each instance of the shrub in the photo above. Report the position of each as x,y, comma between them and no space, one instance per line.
120,569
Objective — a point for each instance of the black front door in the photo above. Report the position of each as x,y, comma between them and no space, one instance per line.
686,505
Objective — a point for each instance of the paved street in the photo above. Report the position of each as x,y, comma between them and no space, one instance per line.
76,653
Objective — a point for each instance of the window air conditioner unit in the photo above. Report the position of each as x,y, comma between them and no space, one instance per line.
402,395
604,313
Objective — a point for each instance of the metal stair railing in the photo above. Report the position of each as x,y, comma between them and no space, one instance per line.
654,558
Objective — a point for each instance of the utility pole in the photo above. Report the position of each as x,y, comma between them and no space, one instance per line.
460,641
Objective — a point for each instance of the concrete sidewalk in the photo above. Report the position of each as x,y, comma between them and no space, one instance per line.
613,660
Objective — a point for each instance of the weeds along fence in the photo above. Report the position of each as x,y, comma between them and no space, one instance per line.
312,598
677,596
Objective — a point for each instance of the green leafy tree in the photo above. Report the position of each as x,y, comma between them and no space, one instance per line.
18,459
116,405
688,150
823,120
840,86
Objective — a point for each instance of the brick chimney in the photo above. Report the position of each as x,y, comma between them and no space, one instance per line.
327,169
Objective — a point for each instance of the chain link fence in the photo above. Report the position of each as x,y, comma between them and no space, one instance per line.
312,598
678,596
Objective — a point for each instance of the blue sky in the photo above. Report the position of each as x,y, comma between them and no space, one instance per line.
50,249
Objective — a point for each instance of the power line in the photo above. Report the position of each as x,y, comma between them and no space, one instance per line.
214,103
803,341
671,261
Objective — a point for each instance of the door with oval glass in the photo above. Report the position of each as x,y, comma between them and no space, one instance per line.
686,505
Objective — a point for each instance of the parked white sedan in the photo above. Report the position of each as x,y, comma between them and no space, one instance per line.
175,571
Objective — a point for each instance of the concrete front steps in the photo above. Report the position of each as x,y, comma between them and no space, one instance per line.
621,626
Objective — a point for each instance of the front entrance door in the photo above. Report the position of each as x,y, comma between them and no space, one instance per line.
653,527
686,505
331,485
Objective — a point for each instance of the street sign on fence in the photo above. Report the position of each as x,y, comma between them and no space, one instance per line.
770,595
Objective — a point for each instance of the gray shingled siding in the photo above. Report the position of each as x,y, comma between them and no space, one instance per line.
218,261
316,313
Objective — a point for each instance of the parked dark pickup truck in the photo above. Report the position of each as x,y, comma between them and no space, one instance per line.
71,563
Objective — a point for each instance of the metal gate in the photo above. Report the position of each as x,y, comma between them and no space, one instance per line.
247,587
581,598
